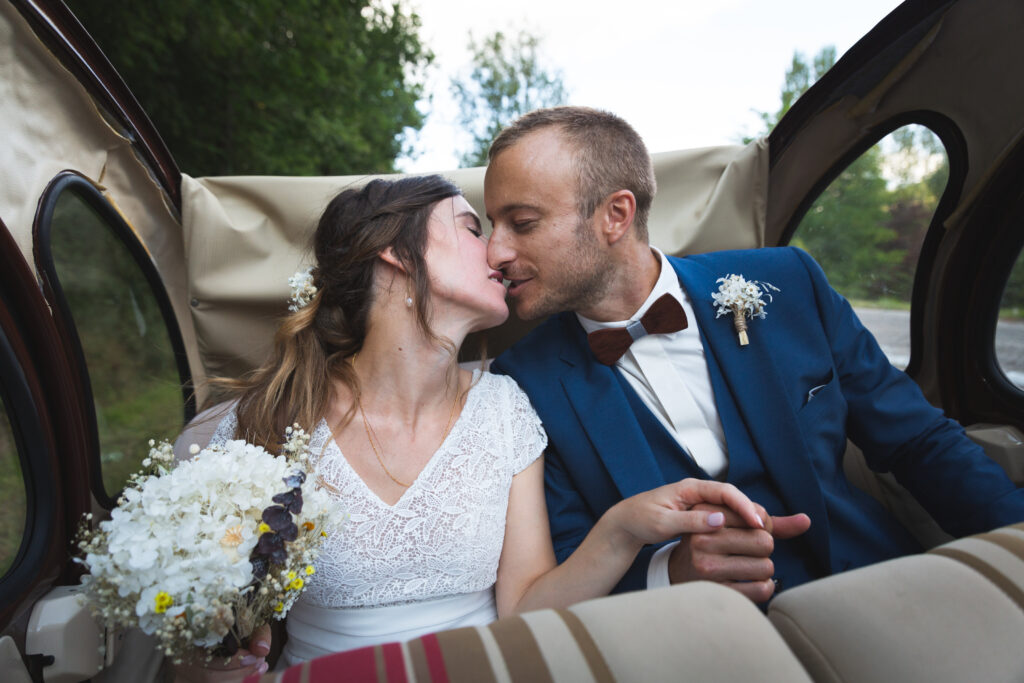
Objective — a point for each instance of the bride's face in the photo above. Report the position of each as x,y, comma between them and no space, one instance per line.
461,282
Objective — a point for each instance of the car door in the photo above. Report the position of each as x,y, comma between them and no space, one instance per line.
93,358
950,69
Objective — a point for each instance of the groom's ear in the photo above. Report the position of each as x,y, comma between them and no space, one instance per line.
618,211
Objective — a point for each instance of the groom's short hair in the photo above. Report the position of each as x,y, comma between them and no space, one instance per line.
610,156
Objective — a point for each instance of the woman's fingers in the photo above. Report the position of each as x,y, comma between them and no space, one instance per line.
695,491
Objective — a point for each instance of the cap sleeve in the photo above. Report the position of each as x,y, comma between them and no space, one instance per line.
528,437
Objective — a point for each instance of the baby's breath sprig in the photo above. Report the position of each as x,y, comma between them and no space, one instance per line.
742,298
303,289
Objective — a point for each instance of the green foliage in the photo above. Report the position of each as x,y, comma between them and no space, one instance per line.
845,229
12,488
1013,294
135,385
506,82
269,86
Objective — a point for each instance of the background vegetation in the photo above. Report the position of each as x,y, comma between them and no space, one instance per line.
506,81
304,87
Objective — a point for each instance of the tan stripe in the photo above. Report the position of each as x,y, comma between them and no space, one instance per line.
520,652
304,675
410,675
986,570
494,655
1010,543
418,658
595,660
378,660
464,656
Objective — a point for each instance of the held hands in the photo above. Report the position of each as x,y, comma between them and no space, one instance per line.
243,664
739,555
674,509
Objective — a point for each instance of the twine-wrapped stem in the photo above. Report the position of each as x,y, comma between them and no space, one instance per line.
740,323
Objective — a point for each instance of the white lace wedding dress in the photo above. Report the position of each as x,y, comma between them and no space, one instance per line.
428,562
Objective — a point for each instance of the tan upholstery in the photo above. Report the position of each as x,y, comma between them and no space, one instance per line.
954,614
694,632
1003,443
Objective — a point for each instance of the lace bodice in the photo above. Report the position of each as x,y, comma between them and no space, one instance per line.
444,535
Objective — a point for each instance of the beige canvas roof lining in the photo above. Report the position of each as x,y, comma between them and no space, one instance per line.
245,235
74,135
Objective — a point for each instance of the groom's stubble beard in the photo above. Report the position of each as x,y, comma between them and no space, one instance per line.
579,284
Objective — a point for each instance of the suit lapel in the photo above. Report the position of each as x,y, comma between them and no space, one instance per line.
751,378
603,409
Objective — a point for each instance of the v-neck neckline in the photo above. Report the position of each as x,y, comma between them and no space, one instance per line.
427,468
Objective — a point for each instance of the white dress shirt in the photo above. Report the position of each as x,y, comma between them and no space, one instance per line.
669,373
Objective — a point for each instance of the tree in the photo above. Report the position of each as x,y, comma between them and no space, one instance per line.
799,77
507,81
269,86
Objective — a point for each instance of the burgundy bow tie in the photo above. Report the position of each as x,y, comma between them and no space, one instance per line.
664,316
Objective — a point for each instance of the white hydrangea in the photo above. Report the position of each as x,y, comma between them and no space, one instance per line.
180,542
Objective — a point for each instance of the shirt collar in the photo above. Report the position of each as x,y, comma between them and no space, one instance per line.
667,283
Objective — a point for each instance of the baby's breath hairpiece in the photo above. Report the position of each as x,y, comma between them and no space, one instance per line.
743,299
303,289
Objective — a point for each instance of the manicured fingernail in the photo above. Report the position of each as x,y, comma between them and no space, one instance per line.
249,660
263,668
716,519
263,645
760,521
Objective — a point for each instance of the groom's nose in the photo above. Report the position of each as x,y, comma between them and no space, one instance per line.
499,249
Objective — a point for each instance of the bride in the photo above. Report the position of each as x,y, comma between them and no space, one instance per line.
439,469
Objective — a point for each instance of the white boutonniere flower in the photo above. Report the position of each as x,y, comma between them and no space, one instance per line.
303,289
744,299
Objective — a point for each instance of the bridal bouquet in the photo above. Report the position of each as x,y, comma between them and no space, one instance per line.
202,553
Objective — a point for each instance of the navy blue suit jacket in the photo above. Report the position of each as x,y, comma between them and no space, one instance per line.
599,452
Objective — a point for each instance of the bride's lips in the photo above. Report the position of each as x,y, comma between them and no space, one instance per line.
496,276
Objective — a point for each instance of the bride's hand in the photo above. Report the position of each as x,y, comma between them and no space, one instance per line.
665,512
243,664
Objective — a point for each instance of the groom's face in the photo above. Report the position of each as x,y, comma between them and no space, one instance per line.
551,256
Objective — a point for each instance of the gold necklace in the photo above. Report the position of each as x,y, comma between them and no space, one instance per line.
372,435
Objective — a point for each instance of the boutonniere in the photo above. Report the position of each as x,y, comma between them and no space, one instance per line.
744,299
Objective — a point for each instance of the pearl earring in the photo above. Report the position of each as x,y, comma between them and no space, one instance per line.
408,302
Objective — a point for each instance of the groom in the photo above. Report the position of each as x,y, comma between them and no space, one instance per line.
629,406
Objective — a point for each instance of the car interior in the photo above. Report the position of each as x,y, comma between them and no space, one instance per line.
103,238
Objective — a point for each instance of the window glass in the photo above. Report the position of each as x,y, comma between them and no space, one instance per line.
12,488
1010,328
128,353
866,230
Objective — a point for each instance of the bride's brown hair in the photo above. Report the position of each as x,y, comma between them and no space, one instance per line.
312,345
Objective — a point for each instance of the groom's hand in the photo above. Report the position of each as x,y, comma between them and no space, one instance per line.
737,556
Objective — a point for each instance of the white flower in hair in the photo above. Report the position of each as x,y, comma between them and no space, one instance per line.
303,289
742,298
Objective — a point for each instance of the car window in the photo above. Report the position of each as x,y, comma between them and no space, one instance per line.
1010,328
12,488
129,355
867,227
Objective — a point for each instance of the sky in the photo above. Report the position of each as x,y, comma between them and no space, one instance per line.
684,73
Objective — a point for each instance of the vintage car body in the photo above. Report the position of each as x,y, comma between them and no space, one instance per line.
213,256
